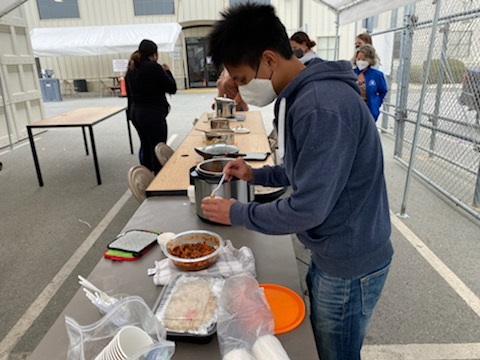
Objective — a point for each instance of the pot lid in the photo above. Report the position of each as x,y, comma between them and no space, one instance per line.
224,99
220,149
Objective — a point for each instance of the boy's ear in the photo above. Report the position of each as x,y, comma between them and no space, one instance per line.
271,57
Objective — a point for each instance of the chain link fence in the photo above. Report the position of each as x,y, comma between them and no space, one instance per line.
433,107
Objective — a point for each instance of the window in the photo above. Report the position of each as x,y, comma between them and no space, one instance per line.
153,7
459,43
56,9
236,2
326,47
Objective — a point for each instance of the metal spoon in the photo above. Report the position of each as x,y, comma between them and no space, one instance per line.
212,195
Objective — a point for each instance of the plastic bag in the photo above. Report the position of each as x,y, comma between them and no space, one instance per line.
245,324
86,342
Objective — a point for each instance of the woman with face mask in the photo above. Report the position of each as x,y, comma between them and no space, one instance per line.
373,87
363,39
302,47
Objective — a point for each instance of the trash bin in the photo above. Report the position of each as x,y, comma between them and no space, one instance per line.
50,89
80,85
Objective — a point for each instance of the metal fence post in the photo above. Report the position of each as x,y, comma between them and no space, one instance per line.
476,195
403,77
440,79
420,111
385,117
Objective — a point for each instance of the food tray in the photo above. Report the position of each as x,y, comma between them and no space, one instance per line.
188,307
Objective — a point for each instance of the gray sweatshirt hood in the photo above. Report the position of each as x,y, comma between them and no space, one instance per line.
316,70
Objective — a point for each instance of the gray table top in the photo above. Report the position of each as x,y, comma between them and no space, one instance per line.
274,260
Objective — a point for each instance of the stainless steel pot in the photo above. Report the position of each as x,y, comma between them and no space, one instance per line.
220,137
206,176
225,107
220,123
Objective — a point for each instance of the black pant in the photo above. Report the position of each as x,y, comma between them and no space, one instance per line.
151,125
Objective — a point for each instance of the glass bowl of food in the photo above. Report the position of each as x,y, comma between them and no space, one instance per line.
193,250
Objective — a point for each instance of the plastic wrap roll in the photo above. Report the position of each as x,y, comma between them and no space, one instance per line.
238,354
268,347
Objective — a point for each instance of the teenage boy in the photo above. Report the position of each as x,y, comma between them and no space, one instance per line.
333,162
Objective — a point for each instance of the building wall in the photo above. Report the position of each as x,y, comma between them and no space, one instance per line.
20,98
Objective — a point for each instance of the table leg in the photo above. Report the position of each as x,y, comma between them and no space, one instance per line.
129,133
35,157
94,152
85,140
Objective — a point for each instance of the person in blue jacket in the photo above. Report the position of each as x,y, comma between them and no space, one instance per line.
373,87
331,157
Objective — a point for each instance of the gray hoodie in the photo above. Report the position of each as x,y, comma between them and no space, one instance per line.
334,164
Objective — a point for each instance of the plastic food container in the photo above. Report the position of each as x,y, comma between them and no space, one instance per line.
189,238
187,307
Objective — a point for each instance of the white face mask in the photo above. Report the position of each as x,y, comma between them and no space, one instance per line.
362,64
258,92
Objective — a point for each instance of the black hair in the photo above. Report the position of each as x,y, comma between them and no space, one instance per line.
244,33
147,47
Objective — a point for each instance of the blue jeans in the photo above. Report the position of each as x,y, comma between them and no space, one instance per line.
340,310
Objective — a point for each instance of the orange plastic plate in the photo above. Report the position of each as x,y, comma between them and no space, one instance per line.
287,307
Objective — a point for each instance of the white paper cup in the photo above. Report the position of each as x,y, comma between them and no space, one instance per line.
126,343
191,194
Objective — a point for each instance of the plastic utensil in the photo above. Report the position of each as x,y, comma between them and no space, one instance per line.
102,296
212,195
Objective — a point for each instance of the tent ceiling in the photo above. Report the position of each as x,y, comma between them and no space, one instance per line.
8,5
353,10
99,40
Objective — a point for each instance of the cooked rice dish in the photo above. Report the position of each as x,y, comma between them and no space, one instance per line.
191,306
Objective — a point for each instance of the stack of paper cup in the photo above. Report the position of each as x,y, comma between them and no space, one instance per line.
126,343
191,194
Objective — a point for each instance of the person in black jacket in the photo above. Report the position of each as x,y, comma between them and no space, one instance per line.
147,83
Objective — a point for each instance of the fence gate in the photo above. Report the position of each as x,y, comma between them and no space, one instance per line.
434,102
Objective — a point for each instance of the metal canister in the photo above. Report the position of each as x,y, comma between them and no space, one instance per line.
220,123
225,107
223,136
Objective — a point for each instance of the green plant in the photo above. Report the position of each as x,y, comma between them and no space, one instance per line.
416,74
452,71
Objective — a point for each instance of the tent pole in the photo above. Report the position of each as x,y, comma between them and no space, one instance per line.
100,92
12,7
337,35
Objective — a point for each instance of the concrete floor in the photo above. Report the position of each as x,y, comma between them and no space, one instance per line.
430,308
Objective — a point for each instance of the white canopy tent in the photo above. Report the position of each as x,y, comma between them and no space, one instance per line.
8,5
101,40
349,11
